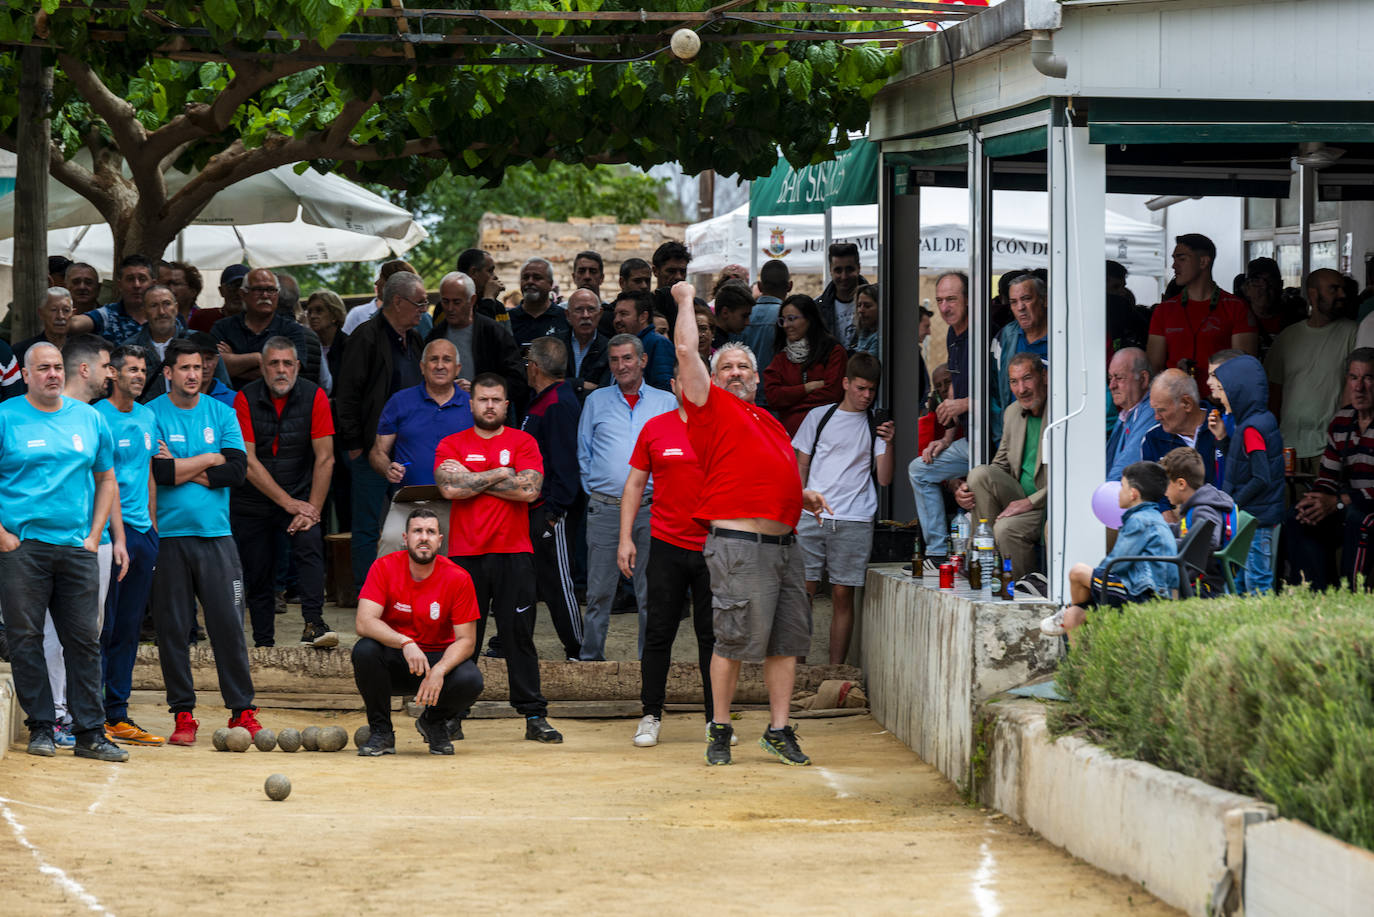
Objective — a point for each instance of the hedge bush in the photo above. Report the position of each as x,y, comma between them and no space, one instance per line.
1272,697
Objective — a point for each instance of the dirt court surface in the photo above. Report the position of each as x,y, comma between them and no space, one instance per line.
594,826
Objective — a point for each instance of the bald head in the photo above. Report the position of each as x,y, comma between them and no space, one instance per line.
1174,398
1325,294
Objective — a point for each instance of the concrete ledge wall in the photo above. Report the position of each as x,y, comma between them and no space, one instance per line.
1291,868
304,670
1161,829
930,658
11,719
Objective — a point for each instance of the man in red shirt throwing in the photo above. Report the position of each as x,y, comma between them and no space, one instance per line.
1187,329
492,473
750,501
675,561
416,633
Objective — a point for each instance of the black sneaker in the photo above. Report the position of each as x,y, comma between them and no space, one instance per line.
783,743
318,634
378,744
718,743
99,748
537,729
436,734
41,743
455,729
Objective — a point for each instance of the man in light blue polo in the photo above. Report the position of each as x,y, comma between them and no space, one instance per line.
57,486
200,456
135,443
606,435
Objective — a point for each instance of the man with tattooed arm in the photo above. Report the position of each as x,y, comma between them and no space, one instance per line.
492,473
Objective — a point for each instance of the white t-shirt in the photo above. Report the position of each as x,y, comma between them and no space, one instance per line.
359,314
840,467
844,323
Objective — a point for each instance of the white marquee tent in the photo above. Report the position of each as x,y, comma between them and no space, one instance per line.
1020,230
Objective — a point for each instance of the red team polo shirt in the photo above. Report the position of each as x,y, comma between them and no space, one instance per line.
1198,331
664,450
747,459
485,524
426,611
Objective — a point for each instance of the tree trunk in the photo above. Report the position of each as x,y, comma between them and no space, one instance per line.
31,194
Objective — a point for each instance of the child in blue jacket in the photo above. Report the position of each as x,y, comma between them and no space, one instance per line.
1254,457
1144,533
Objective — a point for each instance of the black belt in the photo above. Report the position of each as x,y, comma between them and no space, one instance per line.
757,537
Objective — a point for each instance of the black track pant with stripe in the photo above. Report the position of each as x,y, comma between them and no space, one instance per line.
553,582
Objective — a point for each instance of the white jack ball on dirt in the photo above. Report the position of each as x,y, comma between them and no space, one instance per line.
686,44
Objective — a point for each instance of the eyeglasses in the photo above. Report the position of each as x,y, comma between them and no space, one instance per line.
789,319
262,291
418,305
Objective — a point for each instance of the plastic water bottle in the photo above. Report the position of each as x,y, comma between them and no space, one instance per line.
963,532
984,545
953,537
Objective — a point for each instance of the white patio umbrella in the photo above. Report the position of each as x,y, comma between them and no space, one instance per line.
272,219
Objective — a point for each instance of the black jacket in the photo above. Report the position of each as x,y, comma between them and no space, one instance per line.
552,421
336,353
495,351
283,444
826,303
364,381
596,365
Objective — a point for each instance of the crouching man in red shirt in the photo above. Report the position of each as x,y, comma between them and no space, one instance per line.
416,632
750,502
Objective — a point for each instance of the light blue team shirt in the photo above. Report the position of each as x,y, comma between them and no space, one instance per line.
135,443
607,433
193,509
48,462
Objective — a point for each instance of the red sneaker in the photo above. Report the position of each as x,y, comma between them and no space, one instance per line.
185,731
248,719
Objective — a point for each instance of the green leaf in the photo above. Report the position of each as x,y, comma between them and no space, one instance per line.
223,13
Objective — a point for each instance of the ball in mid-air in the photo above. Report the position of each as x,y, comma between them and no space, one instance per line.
289,740
685,44
238,739
277,787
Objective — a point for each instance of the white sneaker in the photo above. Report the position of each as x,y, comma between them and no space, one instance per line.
1053,626
646,736
734,739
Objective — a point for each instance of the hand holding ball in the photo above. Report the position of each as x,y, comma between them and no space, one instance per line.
685,44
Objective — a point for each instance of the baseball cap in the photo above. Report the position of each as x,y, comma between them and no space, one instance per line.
206,343
58,264
233,274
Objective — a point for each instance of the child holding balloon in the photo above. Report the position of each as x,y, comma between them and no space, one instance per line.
1144,533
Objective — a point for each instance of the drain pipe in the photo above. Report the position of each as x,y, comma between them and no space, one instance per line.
1043,57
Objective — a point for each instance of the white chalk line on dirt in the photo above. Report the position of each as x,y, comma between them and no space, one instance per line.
984,895
64,881
834,781
104,791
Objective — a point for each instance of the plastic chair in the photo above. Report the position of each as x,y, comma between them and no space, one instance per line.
1193,553
1232,556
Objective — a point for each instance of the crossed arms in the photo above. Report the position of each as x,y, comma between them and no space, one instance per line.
457,483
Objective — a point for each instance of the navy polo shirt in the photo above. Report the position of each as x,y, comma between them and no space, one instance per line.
418,422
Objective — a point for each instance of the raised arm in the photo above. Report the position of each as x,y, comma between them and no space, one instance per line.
694,382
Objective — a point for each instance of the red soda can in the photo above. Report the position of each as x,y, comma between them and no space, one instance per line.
957,562
947,576
1290,460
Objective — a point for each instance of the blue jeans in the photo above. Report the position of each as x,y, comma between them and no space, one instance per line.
369,508
1258,574
42,579
926,481
603,575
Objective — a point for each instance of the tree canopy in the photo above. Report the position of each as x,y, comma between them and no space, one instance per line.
232,88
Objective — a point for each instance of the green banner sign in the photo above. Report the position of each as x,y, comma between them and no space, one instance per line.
850,178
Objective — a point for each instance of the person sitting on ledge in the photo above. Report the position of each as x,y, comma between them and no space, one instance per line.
1144,533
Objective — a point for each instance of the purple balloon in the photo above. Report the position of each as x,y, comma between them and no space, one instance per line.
1105,507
